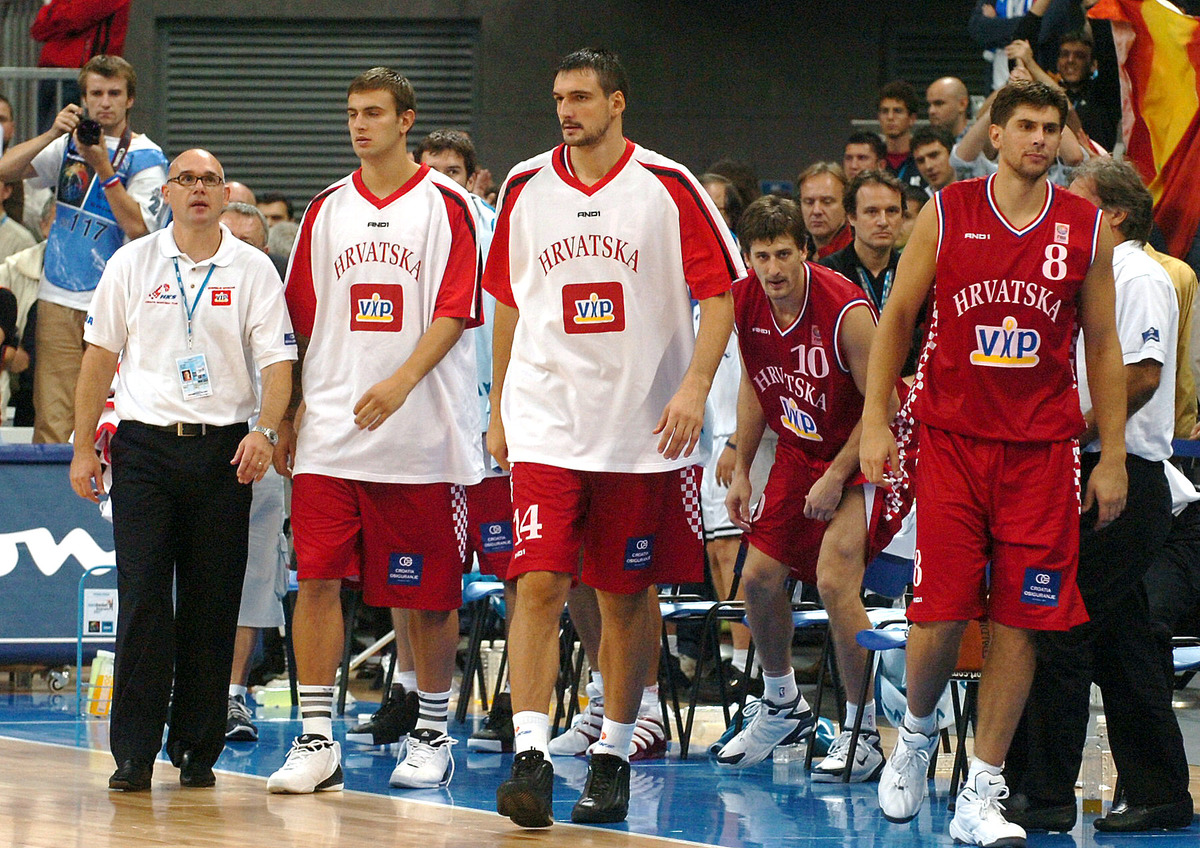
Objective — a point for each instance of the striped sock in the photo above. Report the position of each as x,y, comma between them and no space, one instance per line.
316,710
435,709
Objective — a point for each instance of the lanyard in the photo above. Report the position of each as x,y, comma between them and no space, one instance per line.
189,311
865,281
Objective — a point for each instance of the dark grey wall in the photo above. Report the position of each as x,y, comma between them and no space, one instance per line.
775,84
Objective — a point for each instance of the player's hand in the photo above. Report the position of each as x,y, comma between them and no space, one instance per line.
87,477
497,442
737,501
1020,50
823,498
680,423
284,455
727,461
68,119
1106,489
252,458
1195,434
877,452
480,183
379,402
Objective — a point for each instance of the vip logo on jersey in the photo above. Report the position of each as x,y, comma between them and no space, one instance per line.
1006,346
376,307
799,421
1062,233
222,297
163,294
593,308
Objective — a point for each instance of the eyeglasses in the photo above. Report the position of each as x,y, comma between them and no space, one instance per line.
188,180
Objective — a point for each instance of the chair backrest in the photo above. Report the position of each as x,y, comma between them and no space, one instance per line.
888,575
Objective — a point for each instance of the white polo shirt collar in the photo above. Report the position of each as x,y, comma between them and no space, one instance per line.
223,256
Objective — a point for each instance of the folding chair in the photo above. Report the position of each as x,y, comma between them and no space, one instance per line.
483,598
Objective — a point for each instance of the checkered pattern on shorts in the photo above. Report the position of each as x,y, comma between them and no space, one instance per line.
689,486
458,504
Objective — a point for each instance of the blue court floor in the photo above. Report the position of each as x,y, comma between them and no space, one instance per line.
767,805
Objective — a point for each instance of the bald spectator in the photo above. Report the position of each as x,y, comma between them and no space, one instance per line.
865,151
819,188
241,193
949,105
931,148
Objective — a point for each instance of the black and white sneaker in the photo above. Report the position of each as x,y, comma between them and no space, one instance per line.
239,724
395,719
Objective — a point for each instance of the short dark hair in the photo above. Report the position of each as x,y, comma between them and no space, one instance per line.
110,67
903,91
741,174
14,205
1120,188
606,64
278,197
869,138
931,135
912,192
769,218
1078,36
455,140
733,198
872,176
385,79
1026,93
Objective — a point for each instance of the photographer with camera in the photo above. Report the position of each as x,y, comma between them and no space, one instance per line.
107,180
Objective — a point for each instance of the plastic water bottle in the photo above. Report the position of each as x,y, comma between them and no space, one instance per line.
787,765
1091,774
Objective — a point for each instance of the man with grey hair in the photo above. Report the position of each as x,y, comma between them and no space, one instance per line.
1117,649
247,223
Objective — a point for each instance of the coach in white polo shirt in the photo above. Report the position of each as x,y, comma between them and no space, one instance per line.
189,312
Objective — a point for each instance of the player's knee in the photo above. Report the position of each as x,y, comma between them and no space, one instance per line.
762,579
543,590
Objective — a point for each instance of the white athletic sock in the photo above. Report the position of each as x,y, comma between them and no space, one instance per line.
435,708
977,766
531,732
740,656
316,710
615,739
650,702
868,716
407,679
781,689
920,724
235,691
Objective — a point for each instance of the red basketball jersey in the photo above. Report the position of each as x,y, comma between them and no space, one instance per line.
799,374
998,361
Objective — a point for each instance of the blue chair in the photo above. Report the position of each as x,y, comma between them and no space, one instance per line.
483,597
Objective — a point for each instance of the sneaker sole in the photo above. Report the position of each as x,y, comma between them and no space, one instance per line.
589,815
334,783
819,776
491,746
525,808
657,751
242,734
1005,842
796,736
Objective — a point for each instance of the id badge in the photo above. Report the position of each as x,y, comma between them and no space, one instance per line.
193,375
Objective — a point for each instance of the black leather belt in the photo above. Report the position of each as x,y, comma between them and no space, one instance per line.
183,429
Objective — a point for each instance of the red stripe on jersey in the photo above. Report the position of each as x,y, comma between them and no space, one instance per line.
707,266
380,203
299,292
562,166
459,295
497,275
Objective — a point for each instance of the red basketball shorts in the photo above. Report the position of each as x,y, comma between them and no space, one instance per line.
1014,505
633,530
406,542
489,525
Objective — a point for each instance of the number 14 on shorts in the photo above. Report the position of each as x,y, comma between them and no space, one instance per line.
528,527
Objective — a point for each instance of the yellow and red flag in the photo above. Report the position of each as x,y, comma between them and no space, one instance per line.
1158,47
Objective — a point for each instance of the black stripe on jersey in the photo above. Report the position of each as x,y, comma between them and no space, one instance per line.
469,216
513,184
315,204
660,172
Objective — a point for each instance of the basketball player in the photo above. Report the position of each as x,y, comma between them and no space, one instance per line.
597,402
382,282
1019,267
804,332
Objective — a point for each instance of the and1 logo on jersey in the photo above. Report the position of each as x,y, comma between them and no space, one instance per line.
593,308
799,421
1006,346
376,307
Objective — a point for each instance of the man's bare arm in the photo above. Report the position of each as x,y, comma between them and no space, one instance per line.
683,416
504,327
382,399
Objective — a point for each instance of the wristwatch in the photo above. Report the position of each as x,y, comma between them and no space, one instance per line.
271,435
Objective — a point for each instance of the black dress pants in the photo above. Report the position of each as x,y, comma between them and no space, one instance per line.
180,521
1120,650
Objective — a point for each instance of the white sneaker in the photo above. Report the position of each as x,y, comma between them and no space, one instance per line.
649,740
773,725
314,764
979,818
902,781
585,730
425,761
868,759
